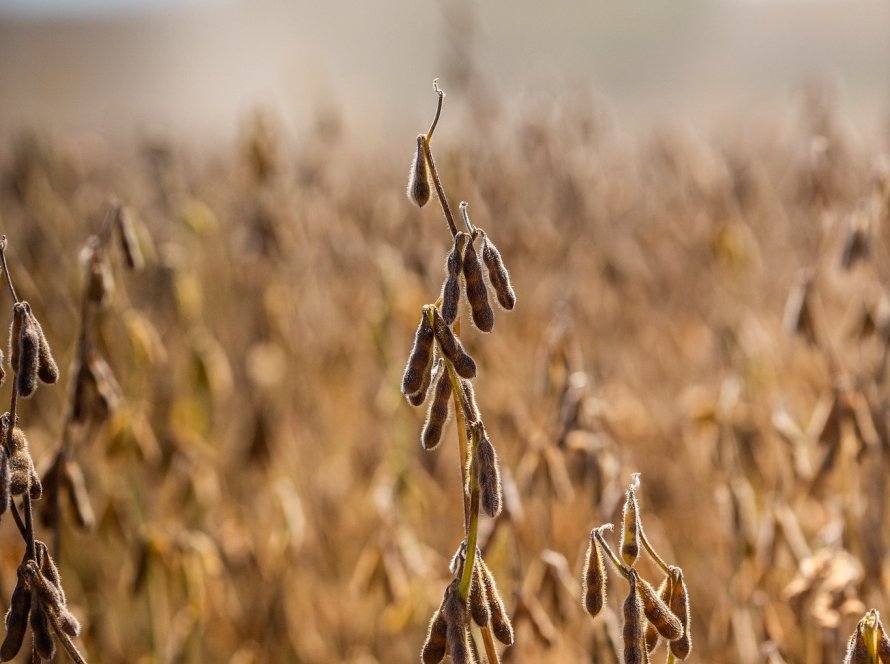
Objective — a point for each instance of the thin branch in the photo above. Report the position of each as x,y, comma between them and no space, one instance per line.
441,93
3,244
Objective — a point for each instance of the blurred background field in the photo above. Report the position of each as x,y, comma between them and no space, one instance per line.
694,203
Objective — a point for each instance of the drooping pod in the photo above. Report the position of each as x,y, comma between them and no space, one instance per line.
658,613
47,369
78,496
44,645
456,616
633,623
501,626
454,266
433,650
418,176
489,474
498,276
469,403
28,352
16,619
437,413
22,476
419,397
477,293
680,608
420,356
451,347
883,644
129,242
480,609
857,649
664,593
594,584
630,532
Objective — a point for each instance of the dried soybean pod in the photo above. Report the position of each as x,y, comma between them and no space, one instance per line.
437,413
15,332
21,466
40,629
418,176
680,608
2,370
454,267
433,650
129,242
664,593
29,351
16,620
883,645
500,621
490,493
857,649
630,532
497,273
452,348
420,355
419,397
47,369
477,293
456,616
658,613
478,599
49,570
469,404
5,478
633,623
594,580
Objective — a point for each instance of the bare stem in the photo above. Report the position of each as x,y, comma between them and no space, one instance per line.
471,229
651,551
3,244
490,652
440,192
615,560
441,93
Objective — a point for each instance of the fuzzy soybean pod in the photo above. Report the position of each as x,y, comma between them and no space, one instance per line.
419,397
501,626
883,645
44,645
480,610
594,584
680,608
658,613
452,348
47,369
630,532
433,650
420,356
857,650
454,266
16,619
456,616
22,476
477,293
634,648
418,176
28,355
490,492
437,413
664,593
497,273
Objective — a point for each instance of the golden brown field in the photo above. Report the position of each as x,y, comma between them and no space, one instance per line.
708,308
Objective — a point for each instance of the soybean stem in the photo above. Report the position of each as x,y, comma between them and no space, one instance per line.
651,551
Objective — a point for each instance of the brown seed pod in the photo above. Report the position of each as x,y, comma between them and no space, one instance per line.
452,348
19,311
5,478
47,369
490,493
437,413
658,613
129,242
97,269
857,650
469,404
44,645
418,176
455,612
16,619
594,580
76,488
478,598
49,570
433,650
44,591
497,273
680,608
883,645
634,648
664,593
29,354
454,266
500,621
477,293
630,533
419,397
21,466
2,370
421,355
